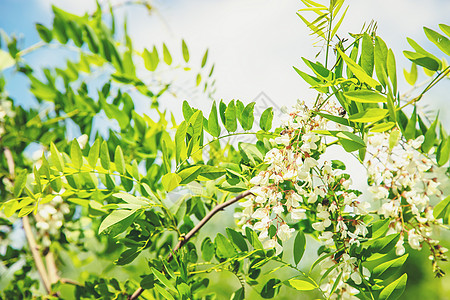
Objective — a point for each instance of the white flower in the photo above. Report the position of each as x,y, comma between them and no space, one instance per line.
298,214
327,238
82,140
414,239
284,232
284,139
278,209
399,248
260,213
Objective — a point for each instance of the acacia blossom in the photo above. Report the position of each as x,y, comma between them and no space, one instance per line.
298,184
403,181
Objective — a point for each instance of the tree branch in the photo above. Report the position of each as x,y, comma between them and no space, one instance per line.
28,232
36,255
184,239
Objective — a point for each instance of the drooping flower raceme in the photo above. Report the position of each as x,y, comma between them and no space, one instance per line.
404,181
297,184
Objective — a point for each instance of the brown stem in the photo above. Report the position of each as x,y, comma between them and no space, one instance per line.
69,281
190,234
51,267
28,232
36,255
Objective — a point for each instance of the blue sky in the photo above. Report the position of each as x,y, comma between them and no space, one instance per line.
254,42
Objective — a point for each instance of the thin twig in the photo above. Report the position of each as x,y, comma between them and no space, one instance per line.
69,281
36,255
190,234
28,232
51,267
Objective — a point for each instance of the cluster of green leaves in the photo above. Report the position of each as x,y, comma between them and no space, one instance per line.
86,177
189,144
372,102
323,25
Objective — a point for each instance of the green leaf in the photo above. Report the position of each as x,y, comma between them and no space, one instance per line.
442,210
422,60
170,181
333,118
252,237
385,244
237,239
358,71
313,81
302,285
213,122
187,110
338,24
367,54
94,153
222,109
395,289
410,130
271,288
389,268
56,158
123,216
392,70
349,141
380,56
247,116
151,59
205,57
379,228
127,256
299,247
438,39
369,115
119,161
19,183
443,152
230,117
6,60
37,178
423,52
91,39
365,96
180,145
45,33
430,137
189,174
75,154
162,278
382,127
445,29
224,249
411,77
166,55
266,119
208,249
185,50
59,29
104,156
239,294
25,211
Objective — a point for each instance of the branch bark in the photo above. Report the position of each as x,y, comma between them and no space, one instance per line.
28,232
190,234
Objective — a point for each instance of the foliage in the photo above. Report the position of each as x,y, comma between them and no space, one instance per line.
135,197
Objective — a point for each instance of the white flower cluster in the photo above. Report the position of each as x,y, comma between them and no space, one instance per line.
403,180
50,218
297,182
347,266
5,111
